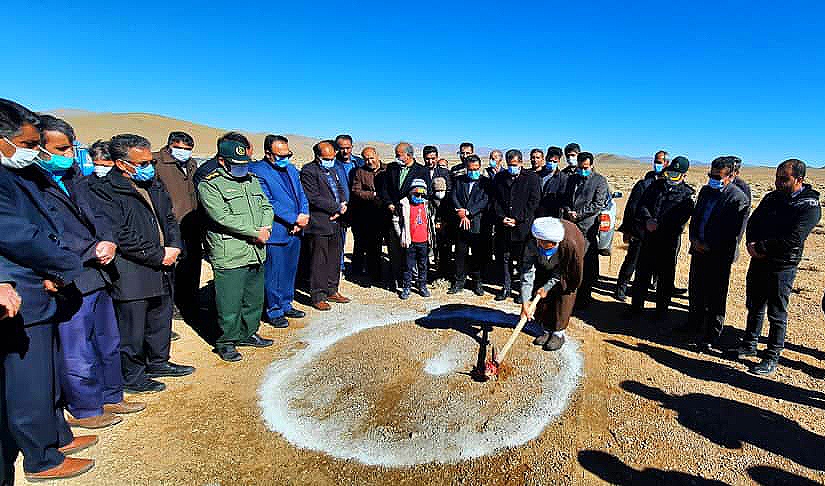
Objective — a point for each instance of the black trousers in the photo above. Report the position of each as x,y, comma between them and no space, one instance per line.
468,256
770,289
508,258
366,252
145,329
32,420
417,256
324,265
657,257
187,277
708,287
630,260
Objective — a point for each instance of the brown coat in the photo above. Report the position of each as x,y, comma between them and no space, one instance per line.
179,184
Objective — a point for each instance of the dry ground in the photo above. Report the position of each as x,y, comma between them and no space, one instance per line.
649,410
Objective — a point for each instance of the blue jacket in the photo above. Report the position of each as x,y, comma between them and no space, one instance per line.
31,247
344,171
288,201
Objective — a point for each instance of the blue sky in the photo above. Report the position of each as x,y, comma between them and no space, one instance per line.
699,79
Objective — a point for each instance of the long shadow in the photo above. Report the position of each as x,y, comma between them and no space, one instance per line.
611,469
205,323
728,375
771,476
731,424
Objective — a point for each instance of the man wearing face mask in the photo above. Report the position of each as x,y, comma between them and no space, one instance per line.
148,245
586,194
775,239
554,259
660,218
552,190
210,165
717,221
628,226
175,167
42,270
516,195
470,198
101,159
325,193
396,185
368,219
539,166
440,207
238,227
495,165
464,150
281,183
571,155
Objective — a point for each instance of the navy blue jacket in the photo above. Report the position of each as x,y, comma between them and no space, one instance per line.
30,244
79,227
725,222
288,200
475,202
322,203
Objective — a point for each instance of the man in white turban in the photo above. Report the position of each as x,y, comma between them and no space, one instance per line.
552,268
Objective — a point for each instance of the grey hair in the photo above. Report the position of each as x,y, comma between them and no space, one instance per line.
119,145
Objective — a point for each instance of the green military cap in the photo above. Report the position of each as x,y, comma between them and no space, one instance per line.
679,164
233,151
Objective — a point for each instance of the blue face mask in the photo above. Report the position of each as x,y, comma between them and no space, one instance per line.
239,171
282,162
143,173
474,174
56,163
417,199
715,183
552,166
493,164
658,168
548,252
328,164
514,169
584,172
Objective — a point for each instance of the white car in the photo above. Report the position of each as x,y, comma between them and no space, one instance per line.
607,224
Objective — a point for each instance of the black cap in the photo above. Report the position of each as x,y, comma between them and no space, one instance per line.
679,164
233,151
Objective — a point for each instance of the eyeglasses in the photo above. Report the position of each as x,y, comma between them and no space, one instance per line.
144,163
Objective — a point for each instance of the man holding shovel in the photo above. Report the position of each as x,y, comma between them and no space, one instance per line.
552,266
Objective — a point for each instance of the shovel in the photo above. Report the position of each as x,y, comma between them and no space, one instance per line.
492,366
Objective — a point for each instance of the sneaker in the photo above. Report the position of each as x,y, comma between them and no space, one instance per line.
554,343
424,292
539,341
741,351
405,294
148,386
227,352
766,367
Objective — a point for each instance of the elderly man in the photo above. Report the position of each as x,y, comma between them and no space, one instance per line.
516,196
281,183
368,221
552,268
495,164
586,194
395,186
176,168
717,221
775,235
148,245
238,228
327,203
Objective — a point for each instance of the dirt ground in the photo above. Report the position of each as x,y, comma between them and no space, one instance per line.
649,409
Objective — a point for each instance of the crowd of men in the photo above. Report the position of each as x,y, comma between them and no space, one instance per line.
93,266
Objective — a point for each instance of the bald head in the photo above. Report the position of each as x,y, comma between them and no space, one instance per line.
370,156
404,152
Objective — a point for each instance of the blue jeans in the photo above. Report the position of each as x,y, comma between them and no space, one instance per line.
417,256
768,289
279,272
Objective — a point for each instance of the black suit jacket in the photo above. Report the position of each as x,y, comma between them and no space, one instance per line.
475,202
389,190
725,223
518,198
322,203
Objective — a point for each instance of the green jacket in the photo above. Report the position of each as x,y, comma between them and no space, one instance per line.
236,209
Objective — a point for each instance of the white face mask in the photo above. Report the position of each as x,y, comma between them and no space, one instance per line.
440,194
571,161
22,157
181,154
102,170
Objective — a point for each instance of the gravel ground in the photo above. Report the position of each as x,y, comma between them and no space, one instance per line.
649,410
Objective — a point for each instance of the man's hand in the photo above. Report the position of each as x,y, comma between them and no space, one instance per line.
10,301
573,216
509,222
343,208
464,224
263,235
526,311
334,216
462,213
170,255
391,207
438,226
303,220
295,230
541,292
51,286
652,225
105,252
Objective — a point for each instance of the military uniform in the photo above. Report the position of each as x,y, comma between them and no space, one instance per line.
236,209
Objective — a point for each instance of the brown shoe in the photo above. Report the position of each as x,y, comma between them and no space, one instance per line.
338,298
79,443
322,306
69,468
105,419
124,407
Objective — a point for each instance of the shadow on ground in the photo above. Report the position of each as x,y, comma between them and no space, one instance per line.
611,469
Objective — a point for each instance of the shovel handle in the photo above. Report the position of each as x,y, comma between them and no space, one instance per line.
517,330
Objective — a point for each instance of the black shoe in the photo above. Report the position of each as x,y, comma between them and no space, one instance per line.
256,341
405,293
679,291
295,314
169,369
554,343
148,386
455,288
278,322
228,352
175,336
478,290
741,351
517,299
705,346
766,367
423,291
539,341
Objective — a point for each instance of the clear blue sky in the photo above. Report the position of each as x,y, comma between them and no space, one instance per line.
702,79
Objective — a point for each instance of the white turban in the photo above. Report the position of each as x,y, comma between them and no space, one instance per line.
548,229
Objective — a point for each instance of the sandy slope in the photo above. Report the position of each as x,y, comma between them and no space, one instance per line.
648,411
